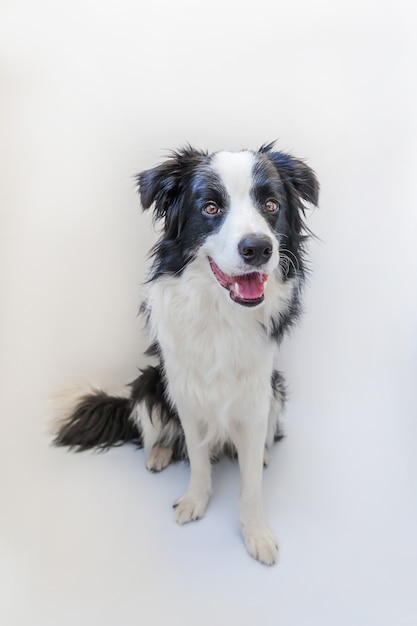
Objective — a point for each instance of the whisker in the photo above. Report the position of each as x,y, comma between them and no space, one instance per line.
286,264
292,257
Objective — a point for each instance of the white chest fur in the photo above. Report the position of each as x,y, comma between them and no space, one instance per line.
217,355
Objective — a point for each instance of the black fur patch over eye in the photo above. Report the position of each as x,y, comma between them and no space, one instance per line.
179,189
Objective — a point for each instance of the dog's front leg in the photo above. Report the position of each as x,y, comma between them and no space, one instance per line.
250,443
192,505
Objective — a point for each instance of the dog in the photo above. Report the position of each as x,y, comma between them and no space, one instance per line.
223,288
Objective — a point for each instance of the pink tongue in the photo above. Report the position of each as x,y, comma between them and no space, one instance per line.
250,286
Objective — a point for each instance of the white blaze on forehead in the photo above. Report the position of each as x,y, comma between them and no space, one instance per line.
235,170
242,217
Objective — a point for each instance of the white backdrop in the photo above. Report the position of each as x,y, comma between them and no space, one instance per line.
92,92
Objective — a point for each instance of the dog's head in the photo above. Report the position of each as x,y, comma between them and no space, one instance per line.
243,211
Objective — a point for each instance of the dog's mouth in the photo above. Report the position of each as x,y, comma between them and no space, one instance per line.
246,289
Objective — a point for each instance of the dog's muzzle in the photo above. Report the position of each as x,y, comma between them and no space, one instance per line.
246,289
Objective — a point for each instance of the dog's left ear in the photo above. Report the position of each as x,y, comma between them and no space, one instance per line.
295,173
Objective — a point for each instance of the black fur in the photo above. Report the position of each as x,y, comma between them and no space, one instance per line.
279,391
175,188
99,421
150,388
284,322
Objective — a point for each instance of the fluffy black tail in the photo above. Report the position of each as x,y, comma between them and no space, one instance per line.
96,420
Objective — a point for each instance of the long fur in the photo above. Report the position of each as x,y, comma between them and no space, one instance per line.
224,286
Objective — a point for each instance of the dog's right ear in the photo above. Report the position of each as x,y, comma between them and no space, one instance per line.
162,185
159,186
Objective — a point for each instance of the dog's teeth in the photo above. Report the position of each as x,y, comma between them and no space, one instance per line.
236,288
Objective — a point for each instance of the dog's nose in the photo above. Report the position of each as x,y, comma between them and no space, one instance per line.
255,249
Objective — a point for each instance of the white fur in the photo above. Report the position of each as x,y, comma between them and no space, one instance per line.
218,358
153,430
235,170
159,458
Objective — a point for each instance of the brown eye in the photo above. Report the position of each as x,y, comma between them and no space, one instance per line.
211,208
271,206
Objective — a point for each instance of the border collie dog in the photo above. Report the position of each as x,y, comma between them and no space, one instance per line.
223,288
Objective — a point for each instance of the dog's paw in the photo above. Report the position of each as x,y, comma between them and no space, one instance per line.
159,458
189,508
261,544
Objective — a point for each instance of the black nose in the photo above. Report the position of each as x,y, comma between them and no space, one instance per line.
255,249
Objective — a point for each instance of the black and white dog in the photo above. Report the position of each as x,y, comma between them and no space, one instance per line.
223,288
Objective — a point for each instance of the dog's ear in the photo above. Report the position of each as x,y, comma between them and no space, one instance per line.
158,185
163,184
294,173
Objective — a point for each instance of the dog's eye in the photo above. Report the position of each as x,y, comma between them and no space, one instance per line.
211,208
271,206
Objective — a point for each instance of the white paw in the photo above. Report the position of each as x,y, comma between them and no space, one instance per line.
189,508
159,458
261,544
